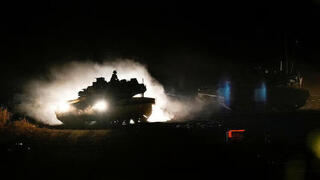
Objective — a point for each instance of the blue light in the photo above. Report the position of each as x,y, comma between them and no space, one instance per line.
225,92
260,94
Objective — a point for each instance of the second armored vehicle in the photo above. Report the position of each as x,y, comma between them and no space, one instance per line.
264,90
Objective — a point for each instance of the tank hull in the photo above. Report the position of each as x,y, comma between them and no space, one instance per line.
251,99
287,98
276,99
133,109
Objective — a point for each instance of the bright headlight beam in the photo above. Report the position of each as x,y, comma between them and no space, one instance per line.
63,107
100,106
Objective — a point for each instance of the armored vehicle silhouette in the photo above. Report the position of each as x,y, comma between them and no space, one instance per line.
265,89
262,90
108,103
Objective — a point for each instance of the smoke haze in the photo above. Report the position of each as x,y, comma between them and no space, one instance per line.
42,96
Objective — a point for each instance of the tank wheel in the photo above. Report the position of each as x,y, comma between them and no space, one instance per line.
138,120
125,122
141,119
116,123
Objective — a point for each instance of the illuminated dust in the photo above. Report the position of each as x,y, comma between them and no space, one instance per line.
41,98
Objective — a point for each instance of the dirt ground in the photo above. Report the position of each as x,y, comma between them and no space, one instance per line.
276,146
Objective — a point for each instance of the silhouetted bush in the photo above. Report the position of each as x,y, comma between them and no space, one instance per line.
5,116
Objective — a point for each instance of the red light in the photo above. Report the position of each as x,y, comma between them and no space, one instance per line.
233,131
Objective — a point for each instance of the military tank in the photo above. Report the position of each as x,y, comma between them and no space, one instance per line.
262,90
108,103
275,88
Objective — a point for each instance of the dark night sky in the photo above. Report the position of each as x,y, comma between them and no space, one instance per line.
179,41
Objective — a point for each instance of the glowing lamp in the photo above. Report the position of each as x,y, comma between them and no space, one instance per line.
63,107
235,135
232,133
100,106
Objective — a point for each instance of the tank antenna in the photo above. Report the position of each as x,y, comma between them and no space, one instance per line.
291,70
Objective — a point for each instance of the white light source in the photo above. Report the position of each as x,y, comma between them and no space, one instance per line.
100,106
63,107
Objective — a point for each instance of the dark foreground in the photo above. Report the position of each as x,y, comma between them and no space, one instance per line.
276,146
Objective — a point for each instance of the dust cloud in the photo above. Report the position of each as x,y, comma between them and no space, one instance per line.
42,96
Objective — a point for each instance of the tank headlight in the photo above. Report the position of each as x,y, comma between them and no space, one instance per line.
63,107
100,106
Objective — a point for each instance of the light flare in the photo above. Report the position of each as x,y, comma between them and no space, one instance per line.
100,106
313,141
63,107
159,115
